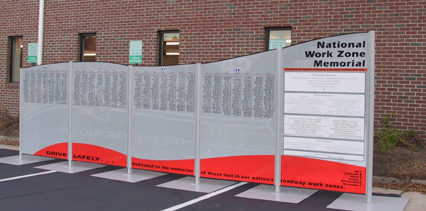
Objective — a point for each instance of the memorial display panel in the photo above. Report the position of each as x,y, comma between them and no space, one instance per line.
44,110
163,118
99,113
237,131
325,124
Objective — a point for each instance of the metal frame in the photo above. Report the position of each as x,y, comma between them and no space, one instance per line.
370,116
279,118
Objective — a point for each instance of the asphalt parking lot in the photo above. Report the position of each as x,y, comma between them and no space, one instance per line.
27,187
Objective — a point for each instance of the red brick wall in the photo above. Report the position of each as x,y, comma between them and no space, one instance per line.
218,29
18,18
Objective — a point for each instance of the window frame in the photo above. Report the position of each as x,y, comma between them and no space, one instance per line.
82,43
160,44
268,33
12,40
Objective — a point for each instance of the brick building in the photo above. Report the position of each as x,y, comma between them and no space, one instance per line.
191,31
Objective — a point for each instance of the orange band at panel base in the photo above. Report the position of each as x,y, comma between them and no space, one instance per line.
185,167
96,154
295,171
322,175
59,151
86,153
246,168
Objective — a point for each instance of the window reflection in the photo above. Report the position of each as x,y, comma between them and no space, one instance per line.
278,38
169,48
16,58
88,47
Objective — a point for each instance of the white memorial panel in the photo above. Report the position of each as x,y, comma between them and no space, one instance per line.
324,104
247,95
238,106
325,82
338,53
163,112
324,127
99,112
324,145
44,107
324,155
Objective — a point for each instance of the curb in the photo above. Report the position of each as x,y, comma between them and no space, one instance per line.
378,190
388,180
391,180
3,146
8,138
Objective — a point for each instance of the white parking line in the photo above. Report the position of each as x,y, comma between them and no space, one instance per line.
25,176
180,206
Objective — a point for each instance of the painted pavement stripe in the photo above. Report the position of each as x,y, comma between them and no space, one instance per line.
25,176
223,190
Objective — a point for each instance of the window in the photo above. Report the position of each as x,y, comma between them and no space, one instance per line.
16,45
169,48
88,47
278,37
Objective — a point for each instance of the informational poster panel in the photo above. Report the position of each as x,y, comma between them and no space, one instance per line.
32,52
325,104
324,127
237,129
325,122
163,118
324,81
135,52
44,110
99,113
